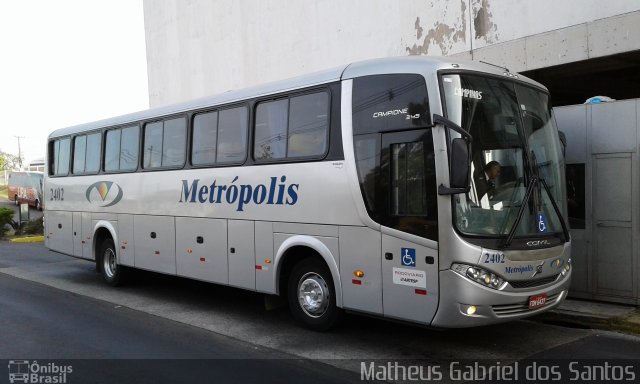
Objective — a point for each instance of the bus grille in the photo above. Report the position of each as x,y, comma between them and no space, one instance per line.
533,283
505,310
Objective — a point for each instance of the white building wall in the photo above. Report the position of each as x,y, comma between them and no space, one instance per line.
202,47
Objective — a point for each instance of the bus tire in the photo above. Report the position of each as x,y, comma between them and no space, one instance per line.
38,206
112,272
312,298
17,202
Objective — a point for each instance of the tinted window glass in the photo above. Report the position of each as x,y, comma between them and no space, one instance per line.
271,130
92,163
576,195
79,151
129,148
205,132
63,157
389,102
173,142
53,157
152,145
112,151
408,185
367,151
308,125
407,194
232,135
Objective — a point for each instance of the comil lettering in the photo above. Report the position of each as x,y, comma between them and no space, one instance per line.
393,112
277,192
468,93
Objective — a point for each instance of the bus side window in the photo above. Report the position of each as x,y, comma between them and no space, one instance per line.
164,143
308,125
271,130
205,136
233,128
129,140
61,156
79,153
173,142
152,145
92,157
112,151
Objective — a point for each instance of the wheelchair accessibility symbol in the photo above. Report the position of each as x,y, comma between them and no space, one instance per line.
408,257
542,223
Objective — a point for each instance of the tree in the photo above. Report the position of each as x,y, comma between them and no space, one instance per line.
8,161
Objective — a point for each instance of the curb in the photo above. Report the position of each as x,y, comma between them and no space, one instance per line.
32,239
629,323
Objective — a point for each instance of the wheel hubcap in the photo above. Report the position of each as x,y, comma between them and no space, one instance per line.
109,263
313,294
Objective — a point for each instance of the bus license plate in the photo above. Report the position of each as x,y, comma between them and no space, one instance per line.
537,301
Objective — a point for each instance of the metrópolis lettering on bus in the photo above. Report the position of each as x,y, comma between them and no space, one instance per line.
240,194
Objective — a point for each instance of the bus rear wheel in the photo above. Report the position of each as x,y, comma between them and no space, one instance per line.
311,294
112,273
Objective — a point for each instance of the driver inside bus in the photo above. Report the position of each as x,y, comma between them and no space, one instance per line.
485,180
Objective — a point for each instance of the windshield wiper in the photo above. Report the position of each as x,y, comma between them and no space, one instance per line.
523,206
565,230
535,180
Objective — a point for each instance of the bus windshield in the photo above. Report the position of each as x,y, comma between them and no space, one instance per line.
515,144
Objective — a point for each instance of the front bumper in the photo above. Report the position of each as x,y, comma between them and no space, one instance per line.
493,306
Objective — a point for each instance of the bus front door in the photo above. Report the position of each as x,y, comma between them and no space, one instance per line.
407,193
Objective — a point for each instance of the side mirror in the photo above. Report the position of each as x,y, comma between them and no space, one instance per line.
459,159
460,165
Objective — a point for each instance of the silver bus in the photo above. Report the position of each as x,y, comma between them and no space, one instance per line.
417,189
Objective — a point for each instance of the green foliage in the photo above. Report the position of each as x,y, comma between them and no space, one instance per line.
8,161
34,227
6,218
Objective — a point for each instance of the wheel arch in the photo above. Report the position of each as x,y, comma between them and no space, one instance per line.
299,247
102,230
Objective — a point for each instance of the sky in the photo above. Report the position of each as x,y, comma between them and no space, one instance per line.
67,62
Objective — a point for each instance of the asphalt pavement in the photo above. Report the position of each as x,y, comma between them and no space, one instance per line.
40,323
213,311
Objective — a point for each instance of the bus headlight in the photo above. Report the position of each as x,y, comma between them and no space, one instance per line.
479,275
566,268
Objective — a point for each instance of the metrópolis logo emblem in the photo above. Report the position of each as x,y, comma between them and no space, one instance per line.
106,192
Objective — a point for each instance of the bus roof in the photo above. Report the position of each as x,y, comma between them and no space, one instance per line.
405,64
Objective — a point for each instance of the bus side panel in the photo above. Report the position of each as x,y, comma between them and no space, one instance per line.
241,254
59,227
87,236
77,234
410,278
201,249
126,239
265,277
360,250
155,247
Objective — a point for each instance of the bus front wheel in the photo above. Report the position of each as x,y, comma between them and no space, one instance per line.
112,273
312,298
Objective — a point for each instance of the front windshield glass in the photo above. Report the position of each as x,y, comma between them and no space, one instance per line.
515,140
